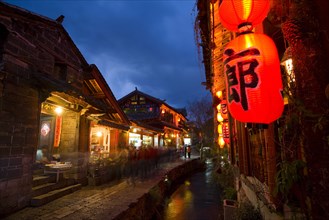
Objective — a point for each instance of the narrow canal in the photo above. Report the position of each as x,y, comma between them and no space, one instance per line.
198,198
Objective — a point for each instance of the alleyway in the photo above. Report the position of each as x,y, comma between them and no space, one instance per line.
101,202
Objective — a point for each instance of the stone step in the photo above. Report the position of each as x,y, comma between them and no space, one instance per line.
54,194
47,187
42,189
42,179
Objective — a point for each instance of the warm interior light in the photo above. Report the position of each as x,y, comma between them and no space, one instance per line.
290,69
134,130
219,117
219,107
99,134
221,142
58,110
219,94
163,111
220,129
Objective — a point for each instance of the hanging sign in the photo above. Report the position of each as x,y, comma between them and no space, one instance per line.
226,132
58,130
223,109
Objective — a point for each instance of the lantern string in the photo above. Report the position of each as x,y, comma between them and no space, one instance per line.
245,28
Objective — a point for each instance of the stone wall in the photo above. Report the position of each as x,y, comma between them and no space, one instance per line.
37,56
19,115
40,45
147,206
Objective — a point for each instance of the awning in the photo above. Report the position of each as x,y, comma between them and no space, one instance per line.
113,125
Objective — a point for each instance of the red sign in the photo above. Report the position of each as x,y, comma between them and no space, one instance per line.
58,130
253,79
223,109
226,132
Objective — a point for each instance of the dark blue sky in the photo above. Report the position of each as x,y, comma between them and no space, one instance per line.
148,44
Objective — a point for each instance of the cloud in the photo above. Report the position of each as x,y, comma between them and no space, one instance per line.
148,44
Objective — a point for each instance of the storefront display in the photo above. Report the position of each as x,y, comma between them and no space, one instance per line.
99,142
135,139
147,140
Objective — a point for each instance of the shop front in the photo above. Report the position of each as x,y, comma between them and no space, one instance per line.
135,139
139,140
58,133
144,135
60,143
173,138
106,139
100,144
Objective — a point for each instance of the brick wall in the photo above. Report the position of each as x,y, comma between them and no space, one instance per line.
18,139
38,46
32,53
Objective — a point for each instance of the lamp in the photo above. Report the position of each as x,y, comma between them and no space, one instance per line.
58,110
286,61
99,134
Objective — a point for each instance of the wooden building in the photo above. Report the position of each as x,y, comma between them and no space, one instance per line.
156,115
280,163
51,100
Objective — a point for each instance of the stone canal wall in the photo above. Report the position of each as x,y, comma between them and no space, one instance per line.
151,203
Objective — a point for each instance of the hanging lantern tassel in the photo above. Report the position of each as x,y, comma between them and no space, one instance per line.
253,79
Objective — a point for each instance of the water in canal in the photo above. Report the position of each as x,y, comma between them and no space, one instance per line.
198,198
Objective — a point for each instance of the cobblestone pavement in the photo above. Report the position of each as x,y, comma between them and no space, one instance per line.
98,202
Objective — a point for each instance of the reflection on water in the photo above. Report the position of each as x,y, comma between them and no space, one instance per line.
197,198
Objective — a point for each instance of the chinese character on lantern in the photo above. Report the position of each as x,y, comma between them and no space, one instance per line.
253,79
251,64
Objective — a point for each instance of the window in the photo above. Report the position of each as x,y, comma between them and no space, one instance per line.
142,100
60,71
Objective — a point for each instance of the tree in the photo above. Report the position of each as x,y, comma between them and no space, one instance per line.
201,113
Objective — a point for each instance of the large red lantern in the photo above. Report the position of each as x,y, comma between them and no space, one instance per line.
253,79
235,13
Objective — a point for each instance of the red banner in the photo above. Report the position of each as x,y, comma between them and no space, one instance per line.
58,130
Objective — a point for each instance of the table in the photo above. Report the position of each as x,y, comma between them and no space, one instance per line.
57,168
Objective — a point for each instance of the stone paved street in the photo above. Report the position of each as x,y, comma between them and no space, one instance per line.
100,202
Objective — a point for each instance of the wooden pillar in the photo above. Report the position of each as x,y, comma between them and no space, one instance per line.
270,157
84,136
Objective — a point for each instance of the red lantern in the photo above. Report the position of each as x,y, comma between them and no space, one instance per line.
253,79
233,13
226,132
223,109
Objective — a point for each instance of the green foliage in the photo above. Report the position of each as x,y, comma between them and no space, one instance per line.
155,193
230,193
226,177
289,174
246,211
